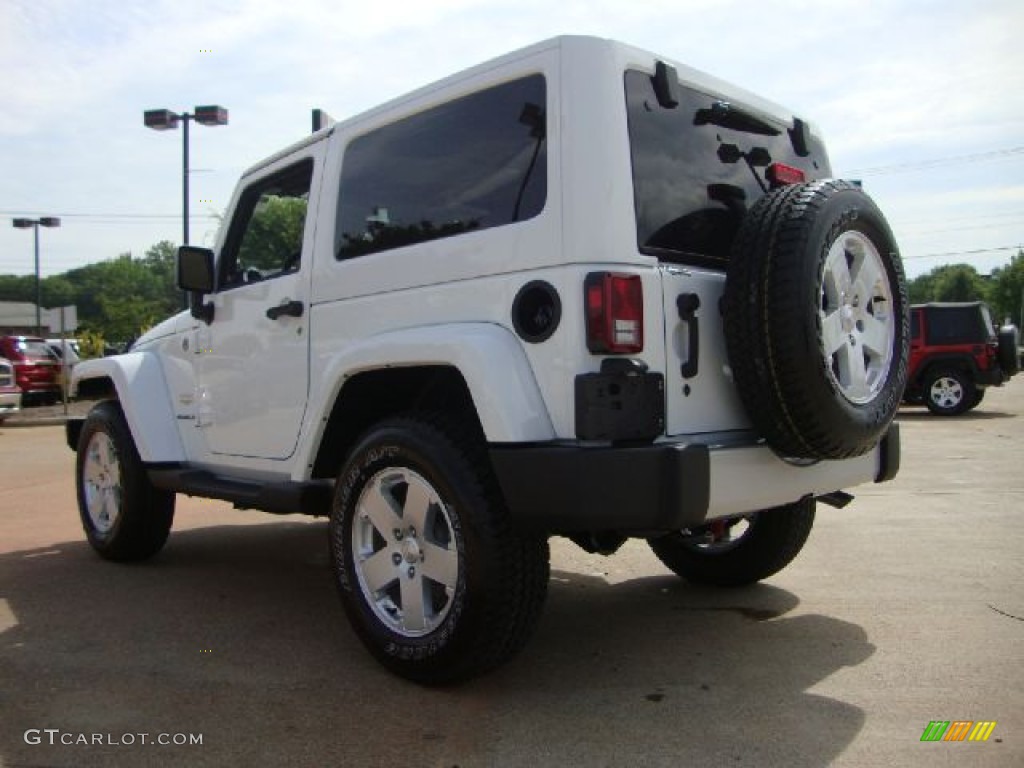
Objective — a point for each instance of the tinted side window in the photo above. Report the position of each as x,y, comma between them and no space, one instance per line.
265,239
957,325
476,162
915,324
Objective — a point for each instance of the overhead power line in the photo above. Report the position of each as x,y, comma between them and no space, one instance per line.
941,162
978,252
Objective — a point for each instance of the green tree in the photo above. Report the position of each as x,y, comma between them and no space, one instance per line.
959,282
921,289
57,291
1007,291
116,298
17,288
950,282
274,229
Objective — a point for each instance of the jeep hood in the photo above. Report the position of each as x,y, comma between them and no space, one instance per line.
168,327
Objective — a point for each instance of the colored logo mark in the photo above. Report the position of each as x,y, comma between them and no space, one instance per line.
958,730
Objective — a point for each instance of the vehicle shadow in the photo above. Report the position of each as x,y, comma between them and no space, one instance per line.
235,633
923,414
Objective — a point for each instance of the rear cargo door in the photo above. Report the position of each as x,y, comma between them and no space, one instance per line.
700,393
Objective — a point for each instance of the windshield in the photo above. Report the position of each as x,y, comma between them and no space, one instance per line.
35,350
699,166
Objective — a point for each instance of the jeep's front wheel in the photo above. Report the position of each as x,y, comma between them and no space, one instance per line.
740,550
436,583
124,516
949,392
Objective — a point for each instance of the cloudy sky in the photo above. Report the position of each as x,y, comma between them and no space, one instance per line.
924,101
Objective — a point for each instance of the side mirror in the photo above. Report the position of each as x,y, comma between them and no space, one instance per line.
195,275
195,269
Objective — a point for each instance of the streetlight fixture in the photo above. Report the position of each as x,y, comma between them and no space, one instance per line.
166,120
34,224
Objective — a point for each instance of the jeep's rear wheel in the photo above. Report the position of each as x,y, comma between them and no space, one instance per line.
816,320
739,550
124,516
436,583
949,392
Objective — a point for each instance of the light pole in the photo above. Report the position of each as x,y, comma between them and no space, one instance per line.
34,224
165,119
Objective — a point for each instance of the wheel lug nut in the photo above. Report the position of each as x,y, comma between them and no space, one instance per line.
412,571
398,534
396,559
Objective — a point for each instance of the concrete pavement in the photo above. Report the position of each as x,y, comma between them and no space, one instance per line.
904,608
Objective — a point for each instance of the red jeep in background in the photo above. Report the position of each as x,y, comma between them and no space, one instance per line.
955,354
37,370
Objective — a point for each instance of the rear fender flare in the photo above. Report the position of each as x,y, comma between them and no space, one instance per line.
490,359
950,360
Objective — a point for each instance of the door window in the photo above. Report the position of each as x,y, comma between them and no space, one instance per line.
265,240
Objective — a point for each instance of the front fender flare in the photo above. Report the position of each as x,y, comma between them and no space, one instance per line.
138,379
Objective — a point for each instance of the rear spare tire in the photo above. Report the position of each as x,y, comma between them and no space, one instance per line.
816,320
1009,354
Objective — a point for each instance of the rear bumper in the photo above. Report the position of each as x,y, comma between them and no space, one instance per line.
993,377
666,486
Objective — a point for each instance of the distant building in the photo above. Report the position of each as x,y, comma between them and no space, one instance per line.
17,318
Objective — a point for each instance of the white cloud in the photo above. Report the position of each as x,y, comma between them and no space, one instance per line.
889,82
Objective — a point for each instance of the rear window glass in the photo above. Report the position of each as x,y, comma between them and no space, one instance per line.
475,162
37,350
692,182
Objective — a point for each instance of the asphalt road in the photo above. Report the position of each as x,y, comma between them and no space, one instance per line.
904,608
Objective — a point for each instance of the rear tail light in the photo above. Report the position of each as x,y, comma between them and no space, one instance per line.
992,355
615,313
781,175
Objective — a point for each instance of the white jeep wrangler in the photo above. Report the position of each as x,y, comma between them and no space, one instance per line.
579,290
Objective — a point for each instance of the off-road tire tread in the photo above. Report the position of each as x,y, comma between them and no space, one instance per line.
967,384
1008,351
147,513
515,602
770,294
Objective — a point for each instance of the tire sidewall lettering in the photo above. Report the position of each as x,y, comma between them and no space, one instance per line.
369,463
776,340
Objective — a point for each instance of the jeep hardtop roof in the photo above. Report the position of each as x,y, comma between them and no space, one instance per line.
599,52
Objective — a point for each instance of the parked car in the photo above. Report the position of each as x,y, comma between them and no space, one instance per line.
67,351
74,352
956,353
10,394
37,370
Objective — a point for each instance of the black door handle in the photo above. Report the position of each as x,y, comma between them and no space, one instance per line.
287,308
688,304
